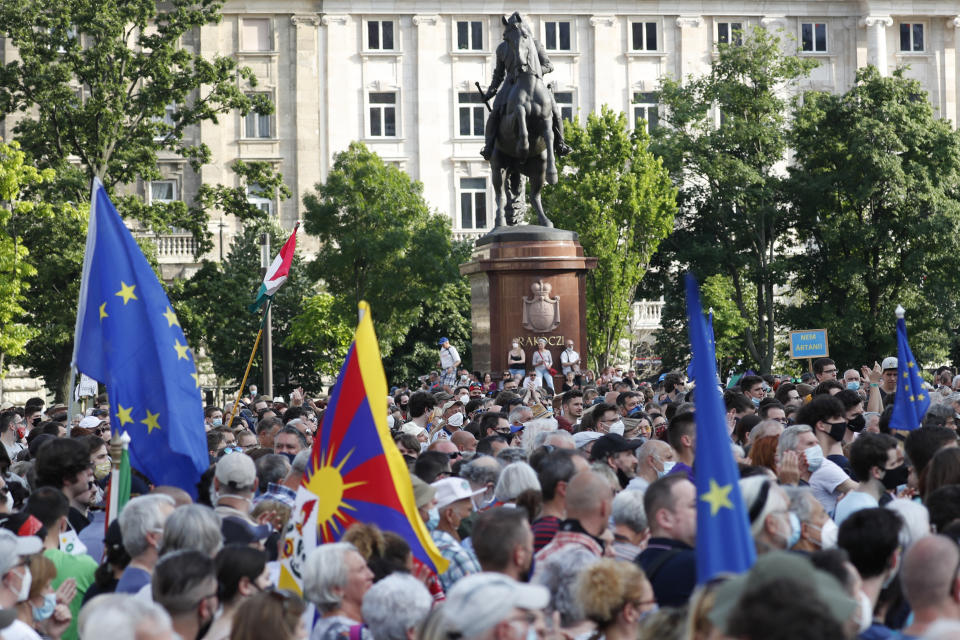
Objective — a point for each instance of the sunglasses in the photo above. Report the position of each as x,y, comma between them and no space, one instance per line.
455,454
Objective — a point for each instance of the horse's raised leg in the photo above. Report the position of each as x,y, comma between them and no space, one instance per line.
536,185
546,128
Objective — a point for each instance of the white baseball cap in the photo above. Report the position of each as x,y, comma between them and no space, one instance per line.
479,601
888,363
450,490
14,547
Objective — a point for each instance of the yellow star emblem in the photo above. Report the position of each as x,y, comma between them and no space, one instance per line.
151,421
171,317
123,413
718,497
921,397
126,292
905,375
910,364
196,378
912,399
906,387
181,350
103,311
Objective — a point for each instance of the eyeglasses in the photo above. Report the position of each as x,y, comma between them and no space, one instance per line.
455,454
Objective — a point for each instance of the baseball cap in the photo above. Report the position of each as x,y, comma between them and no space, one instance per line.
13,547
236,530
775,566
479,601
442,340
450,490
451,403
278,400
611,443
412,428
237,472
888,363
582,438
423,493
90,422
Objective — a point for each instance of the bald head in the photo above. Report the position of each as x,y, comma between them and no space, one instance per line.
588,493
443,446
929,571
180,497
464,440
656,448
764,429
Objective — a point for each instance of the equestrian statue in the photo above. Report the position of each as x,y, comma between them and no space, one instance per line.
524,132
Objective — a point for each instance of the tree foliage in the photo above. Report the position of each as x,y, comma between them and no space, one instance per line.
876,185
619,199
379,242
722,136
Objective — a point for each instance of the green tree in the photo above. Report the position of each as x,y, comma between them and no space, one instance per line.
619,199
212,309
876,184
722,136
16,269
379,242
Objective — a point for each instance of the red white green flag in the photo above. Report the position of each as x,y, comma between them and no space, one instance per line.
277,273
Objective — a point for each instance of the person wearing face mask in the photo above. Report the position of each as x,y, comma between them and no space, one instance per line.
878,462
619,454
871,538
655,459
752,387
41,610
817,530
773,526
451,420
212,417
570,360
185,584
453,505
833,477
15,577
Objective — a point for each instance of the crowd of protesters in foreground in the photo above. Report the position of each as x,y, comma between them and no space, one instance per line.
569,515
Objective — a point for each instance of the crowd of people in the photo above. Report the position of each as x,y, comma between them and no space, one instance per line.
560,516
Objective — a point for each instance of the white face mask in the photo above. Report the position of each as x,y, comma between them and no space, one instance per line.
25,581
828,534
390,422
866,612
464,399
456,420
515,345
617,427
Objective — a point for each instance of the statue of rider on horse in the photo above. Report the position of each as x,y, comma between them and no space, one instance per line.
524,132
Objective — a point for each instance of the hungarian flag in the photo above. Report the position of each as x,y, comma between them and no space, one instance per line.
118,489
277,273
355,473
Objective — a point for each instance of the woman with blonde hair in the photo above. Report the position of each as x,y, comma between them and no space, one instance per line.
616,596
275,614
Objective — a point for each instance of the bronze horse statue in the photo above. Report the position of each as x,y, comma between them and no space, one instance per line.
525,138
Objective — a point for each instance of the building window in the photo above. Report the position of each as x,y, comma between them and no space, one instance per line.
473,203
556,36
167,122
643,36
565,102
257,125
380,35
470,35
255,35
911,36
730,33
163,191
646,108
813,37
383,115
471,111
260,198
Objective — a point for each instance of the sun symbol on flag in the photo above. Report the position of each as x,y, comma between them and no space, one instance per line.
328,485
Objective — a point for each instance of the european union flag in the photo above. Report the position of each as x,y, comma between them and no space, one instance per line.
724,543
713,345
911,401
128,337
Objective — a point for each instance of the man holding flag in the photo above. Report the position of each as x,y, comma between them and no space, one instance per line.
129,338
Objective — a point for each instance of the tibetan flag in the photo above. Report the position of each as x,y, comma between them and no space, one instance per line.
724,543
911,400
128,337
356,473
277,273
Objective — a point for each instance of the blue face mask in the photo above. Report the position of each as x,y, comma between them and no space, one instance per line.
853,385
218,422
794,530
755,401
434,521
45,610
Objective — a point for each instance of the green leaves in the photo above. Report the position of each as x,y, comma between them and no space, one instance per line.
619,199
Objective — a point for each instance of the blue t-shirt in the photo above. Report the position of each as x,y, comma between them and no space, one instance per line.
132,580
851,503
877,631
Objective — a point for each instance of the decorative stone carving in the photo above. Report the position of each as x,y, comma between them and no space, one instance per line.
330,18
541,313
877,21
689,22
425,20
305,20
602,21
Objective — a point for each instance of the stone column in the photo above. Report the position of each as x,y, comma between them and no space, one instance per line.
877,41
950,70
429,49
605,48
307,108
688,26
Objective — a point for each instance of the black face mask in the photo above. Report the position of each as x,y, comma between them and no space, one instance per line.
857,423
893,478
837,430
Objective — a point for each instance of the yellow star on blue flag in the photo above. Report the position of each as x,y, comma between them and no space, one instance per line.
910,405
139,352
724,543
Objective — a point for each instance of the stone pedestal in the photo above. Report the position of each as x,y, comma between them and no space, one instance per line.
527,282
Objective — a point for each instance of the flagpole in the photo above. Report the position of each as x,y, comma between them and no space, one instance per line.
268,320
253,353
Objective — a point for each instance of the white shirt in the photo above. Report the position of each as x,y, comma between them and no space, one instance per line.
19,630
545,360
449,357
531,383
568,356
824,483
